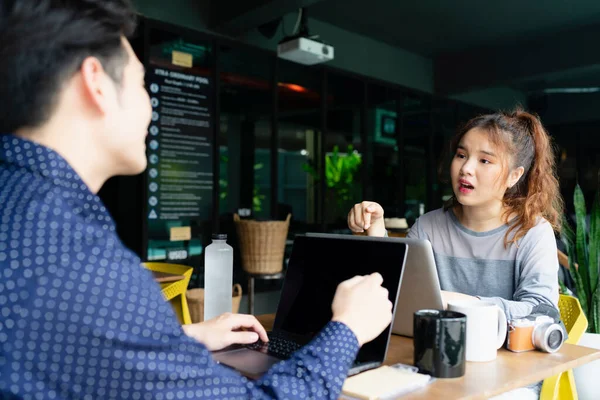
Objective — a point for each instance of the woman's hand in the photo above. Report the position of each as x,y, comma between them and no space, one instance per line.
227,329
367,216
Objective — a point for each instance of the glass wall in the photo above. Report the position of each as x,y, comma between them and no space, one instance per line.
416,132
298,148
384,175
578,160
245,131
246,109
444,124
344,148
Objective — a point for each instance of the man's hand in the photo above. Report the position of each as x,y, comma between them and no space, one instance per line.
227,329
362,304
455,296
367,216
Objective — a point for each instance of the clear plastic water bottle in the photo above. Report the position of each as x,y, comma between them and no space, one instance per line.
218,276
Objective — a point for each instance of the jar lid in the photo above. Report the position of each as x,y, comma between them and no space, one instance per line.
219,236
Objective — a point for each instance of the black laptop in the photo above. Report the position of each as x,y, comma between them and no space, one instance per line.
318,263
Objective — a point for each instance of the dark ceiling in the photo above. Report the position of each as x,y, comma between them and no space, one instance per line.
493,35
528,45
431,27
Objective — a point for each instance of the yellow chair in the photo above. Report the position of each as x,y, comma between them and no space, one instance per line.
562,386
174,292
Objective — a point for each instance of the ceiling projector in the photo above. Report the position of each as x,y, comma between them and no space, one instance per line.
304,50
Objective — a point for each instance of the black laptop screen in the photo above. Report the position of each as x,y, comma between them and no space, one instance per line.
317,265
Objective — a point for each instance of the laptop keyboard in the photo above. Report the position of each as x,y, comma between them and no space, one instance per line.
278,346
283,348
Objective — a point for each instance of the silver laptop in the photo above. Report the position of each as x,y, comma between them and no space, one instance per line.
318,263
420,288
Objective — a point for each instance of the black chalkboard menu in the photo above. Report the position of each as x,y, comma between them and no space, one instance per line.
179,147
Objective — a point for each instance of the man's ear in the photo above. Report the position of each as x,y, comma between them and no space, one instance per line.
514,176
97,85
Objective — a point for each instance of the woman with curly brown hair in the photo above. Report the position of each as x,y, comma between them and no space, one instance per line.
494,240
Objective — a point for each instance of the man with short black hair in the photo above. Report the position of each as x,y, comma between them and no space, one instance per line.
79,316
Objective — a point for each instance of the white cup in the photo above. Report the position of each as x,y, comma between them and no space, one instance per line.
486,328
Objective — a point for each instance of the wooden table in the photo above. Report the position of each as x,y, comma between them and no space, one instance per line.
482,380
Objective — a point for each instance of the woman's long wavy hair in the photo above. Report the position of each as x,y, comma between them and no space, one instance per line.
521,136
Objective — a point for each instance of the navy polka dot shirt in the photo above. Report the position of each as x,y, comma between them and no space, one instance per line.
80,318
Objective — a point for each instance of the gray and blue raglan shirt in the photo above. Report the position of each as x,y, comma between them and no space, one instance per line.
516,277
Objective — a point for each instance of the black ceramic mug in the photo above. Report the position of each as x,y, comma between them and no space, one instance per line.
440,339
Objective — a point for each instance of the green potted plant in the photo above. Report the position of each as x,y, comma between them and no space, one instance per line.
341,170
583,249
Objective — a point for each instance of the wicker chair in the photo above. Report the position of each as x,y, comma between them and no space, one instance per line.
195,298
262,247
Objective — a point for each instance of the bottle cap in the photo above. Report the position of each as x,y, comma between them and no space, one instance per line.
219,236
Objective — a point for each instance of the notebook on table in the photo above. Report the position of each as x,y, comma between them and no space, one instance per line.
383,383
